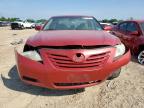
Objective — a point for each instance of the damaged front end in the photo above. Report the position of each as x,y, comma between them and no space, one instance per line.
68,67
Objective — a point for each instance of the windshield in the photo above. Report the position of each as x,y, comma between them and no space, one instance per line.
142,26
72,23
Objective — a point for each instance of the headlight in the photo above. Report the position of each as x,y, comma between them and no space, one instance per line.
32,55
120,50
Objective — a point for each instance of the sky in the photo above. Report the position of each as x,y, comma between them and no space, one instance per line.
101,9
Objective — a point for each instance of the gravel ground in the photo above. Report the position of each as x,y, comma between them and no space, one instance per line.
127,91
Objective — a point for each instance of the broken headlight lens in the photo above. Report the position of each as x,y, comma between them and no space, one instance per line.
33,55
120,50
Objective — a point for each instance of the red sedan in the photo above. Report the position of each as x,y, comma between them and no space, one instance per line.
71,52
131,34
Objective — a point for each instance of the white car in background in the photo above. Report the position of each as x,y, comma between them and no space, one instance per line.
22,24
28,24
106,24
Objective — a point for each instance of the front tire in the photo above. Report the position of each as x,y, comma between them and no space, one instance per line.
22,27
141,57
12,28
115,74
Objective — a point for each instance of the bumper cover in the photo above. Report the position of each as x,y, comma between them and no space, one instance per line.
47,75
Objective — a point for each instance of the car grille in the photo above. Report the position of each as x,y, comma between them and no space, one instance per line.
93,61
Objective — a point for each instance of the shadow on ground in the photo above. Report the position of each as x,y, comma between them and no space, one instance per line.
134,59
14,83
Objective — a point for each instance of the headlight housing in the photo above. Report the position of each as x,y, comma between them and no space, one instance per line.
33,55
120,50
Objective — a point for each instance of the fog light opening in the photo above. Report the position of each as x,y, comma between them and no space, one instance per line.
29,79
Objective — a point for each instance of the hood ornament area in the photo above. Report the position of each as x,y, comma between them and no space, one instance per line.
78,57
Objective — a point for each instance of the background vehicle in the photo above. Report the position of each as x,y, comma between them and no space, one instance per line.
28,24
17,25
107,26
39,25
114,23
4,23
1,23
22,24
131,34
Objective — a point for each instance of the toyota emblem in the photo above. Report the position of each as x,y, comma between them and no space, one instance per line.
78,57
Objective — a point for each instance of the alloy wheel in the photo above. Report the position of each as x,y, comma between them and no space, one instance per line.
141,57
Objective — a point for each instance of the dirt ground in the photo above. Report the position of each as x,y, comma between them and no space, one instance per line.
127,91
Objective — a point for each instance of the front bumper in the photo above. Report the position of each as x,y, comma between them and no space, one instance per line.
47,75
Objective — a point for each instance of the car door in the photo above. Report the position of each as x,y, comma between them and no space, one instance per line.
120,31
27,24
130,39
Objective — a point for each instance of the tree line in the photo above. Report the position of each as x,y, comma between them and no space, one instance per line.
110,20
16,19
8,19
41,20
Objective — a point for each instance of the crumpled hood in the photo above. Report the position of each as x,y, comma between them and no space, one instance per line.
72,37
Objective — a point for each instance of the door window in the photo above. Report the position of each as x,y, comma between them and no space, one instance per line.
123,27
131,27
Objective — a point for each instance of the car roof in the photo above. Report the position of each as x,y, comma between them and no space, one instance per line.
72,16
139,21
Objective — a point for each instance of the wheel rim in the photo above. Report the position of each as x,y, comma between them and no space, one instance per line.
141,57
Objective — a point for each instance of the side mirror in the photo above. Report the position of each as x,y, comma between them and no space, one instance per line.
107,28
135,33
38,28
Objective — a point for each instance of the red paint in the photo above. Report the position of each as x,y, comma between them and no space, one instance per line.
133,40
108,28
38,27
